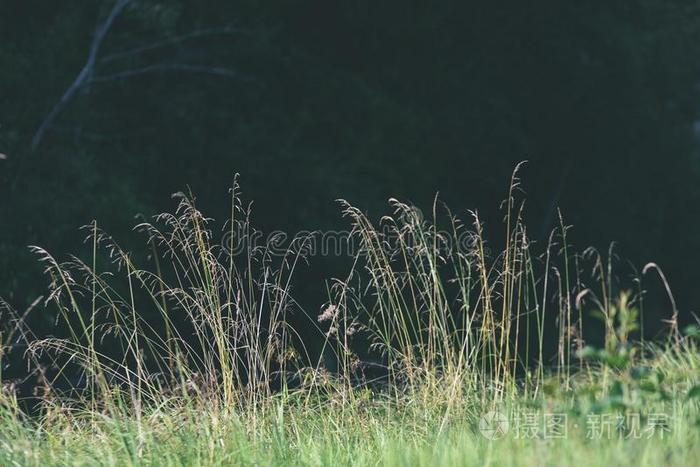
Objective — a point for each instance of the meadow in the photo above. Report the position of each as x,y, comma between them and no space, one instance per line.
438,347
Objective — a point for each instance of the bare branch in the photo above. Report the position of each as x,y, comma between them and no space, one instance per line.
210,70
84,74
172,41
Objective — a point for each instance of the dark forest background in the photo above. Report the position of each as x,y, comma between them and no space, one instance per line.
316,100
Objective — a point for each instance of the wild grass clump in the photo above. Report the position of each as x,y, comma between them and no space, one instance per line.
192,357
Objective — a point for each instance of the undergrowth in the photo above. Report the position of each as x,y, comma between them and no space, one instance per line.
192,358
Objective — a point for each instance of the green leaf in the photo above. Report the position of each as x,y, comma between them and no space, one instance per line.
616,389
588,353
648,386
640,372
692,330
694,392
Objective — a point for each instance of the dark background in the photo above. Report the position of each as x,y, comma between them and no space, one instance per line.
314,100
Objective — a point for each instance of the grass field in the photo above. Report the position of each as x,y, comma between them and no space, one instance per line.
365,429
433,350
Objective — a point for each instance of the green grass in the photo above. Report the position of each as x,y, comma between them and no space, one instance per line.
193,359
370,430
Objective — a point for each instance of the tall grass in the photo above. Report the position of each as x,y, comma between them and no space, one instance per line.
191,358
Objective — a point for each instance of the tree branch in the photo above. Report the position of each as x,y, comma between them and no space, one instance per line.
210,70
172,41
84,74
